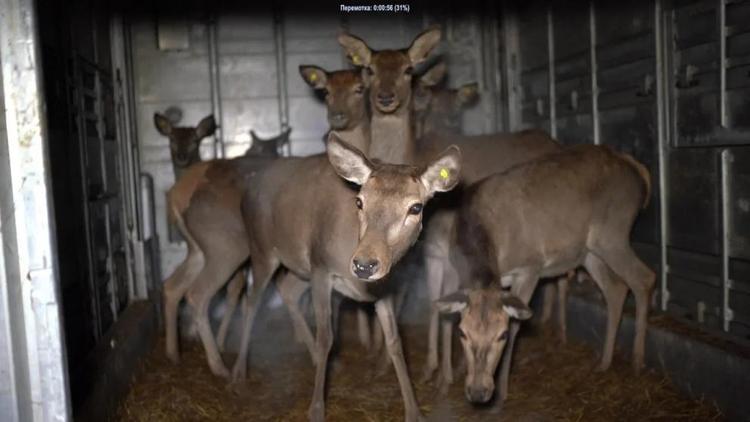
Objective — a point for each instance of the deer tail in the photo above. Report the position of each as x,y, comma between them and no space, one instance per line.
644,173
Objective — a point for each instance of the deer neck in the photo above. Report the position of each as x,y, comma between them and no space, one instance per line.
392,137
357,136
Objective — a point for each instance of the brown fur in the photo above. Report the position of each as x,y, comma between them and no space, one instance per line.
553,214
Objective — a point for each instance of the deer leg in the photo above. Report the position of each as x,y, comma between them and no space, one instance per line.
434,273
641,280
291,289
451,284
219,268
562,301
615,291
321,296
234,291
174,290
387,318
262,272
363,328
398,301
523,287
548,302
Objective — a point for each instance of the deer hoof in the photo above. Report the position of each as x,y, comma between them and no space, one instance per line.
239,373
173,357
317,413
427,374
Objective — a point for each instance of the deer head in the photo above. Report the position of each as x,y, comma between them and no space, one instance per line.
184,142
267,147
388,73
344,92
389,203
484,330
437,108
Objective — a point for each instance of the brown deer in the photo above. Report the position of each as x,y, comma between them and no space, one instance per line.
320,244
184,142
219,196
344,92
205,206
438,109
269,147
388,73
542,219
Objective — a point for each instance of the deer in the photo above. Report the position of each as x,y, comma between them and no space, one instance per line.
347,241
388,74
268,147
347,114
204,204
322,247
438,109
184,142
541,219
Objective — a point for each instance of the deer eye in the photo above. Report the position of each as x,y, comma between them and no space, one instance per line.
358,202
415,209
369,71
359,89
409,70
324,91
503,336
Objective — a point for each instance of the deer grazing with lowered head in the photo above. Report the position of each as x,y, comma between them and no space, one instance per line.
320,245
391,97
542,219
184,142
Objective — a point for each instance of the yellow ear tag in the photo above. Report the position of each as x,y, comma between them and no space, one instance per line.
313,77
355,59
444,173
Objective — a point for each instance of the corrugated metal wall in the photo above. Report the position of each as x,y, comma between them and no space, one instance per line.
670,82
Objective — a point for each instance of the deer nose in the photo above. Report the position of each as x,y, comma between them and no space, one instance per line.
338,120
478,394
365,268
386,99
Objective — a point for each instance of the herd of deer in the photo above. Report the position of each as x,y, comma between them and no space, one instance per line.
523,207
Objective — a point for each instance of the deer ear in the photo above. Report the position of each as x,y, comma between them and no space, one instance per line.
163,125
314,76
206,127
423,44
452,303
467,94
434,75
444,173
356,49
515,307
349,162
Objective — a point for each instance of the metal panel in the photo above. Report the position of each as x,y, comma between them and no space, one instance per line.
739,204
696,64
694,200
29,282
